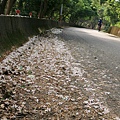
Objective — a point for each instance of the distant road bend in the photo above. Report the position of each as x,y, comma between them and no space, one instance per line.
99,55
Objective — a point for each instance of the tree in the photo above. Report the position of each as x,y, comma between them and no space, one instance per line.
112,11
43,8
75,11
2,6
9,6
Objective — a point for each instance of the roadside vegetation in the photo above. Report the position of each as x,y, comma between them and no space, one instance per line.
80,12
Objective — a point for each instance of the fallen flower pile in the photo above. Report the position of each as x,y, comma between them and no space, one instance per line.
41,81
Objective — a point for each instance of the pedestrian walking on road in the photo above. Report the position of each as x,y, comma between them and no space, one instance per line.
99,24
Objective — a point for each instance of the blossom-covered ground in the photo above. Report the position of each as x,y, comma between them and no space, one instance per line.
42,81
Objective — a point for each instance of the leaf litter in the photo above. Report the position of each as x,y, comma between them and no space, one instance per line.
41,81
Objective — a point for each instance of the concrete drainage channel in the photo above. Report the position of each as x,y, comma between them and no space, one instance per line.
14,31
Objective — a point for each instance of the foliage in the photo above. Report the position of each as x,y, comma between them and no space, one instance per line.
74,11
117,24
112,11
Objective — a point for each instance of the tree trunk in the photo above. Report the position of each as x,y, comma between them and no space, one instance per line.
10,4
43,8
2,6
40,11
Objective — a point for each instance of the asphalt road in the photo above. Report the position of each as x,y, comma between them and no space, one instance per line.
99,55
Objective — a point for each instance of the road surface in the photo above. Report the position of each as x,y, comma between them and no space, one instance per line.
99,56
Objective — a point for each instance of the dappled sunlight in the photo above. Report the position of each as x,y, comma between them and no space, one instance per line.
100,34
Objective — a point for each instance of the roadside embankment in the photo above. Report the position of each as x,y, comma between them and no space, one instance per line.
114,30
14,31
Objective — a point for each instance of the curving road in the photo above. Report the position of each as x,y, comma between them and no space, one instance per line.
99,56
